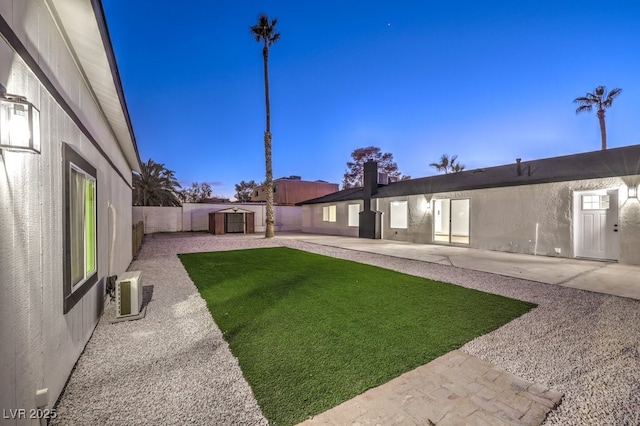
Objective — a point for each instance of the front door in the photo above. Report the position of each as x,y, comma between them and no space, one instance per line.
596,224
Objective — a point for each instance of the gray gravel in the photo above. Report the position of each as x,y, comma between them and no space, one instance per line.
173,367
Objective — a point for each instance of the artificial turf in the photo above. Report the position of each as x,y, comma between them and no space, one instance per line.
311,331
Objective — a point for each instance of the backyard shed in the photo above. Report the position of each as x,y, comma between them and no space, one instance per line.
232,221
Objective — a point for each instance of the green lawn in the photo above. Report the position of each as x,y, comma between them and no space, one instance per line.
312,331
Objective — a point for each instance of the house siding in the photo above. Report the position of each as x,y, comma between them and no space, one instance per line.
40,344
312,219
503,218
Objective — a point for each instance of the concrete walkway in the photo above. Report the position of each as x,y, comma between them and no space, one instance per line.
601,277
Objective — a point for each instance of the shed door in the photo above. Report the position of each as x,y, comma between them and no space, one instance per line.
250,223
218,223
234,223
596,225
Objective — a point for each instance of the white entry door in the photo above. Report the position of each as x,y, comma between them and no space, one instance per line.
596,224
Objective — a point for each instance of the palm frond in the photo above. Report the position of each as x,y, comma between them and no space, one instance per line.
584,108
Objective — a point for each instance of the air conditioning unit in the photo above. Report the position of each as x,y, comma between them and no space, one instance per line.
128,294
383,178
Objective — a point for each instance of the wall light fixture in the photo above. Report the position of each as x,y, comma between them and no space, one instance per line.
19,124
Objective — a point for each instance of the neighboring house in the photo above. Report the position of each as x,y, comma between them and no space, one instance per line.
289,191
65,220
582,205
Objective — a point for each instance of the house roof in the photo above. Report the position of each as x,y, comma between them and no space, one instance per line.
83,24
344,195
614,162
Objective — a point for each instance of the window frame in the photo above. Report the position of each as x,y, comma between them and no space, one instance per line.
449,223
399,214
329,213
73,293
353,218
595,202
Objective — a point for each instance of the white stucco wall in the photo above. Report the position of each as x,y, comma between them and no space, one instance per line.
159,219
312,219
505,219
195,217
502,219
40,344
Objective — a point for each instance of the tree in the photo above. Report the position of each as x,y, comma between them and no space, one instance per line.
602,100
355,173
448,165
155,185
244,190
264,31
196,193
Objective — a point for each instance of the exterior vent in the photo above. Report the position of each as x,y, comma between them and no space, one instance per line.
383,179
128,294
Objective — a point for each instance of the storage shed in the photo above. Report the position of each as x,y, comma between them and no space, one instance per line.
232,221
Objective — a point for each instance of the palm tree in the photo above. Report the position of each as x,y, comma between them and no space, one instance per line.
602,100
448,165
264,31
155,186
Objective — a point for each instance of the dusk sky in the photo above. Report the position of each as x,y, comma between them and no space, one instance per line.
490,81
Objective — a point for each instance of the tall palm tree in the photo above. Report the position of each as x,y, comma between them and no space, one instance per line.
155,186
264,31
602,100
448,165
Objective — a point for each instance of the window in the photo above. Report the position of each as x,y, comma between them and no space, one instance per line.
329,214
80,239
595,202
398,215
354,214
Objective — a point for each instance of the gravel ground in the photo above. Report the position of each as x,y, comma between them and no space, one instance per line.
174,367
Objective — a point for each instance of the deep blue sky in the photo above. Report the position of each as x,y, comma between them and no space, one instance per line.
489,81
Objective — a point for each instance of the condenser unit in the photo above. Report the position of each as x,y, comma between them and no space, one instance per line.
128,294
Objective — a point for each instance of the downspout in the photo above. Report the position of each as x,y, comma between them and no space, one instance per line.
113,237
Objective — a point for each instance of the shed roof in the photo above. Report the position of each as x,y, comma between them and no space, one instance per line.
614,162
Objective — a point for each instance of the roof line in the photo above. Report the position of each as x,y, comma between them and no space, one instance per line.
115,72
14,42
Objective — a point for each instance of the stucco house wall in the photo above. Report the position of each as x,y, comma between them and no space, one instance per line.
519,217
312,219
505,219
39,343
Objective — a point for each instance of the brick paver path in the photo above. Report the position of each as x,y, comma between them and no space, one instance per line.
455,389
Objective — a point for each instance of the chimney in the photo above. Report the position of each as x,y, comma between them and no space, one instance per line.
370,184
518,167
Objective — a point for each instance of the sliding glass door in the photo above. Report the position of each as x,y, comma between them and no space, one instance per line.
451,221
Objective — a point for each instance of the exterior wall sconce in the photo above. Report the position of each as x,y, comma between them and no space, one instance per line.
19,124
633,192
